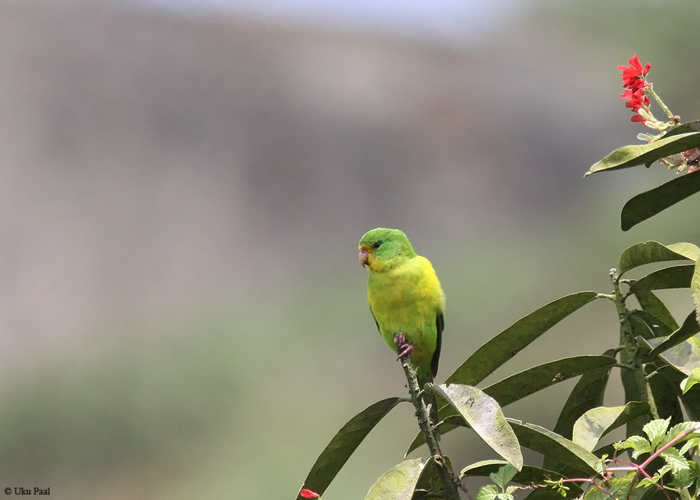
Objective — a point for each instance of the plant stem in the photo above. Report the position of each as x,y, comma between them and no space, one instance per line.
650,88
633,380
423,416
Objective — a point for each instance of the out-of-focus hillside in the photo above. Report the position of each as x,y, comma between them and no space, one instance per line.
181,309
149,161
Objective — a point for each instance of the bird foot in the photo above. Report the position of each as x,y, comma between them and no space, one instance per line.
403,348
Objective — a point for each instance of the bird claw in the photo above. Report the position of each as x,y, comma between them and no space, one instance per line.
405,351
403,348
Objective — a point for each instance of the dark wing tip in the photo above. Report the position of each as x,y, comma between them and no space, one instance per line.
440,323
375,320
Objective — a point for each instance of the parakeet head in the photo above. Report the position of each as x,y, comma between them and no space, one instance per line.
382,249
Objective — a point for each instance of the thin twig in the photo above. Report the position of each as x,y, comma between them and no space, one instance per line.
423,416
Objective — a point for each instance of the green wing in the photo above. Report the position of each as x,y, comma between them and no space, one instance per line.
375,320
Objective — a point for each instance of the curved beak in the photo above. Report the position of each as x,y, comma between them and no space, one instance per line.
363,256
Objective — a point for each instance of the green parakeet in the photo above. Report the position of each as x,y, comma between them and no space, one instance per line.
405,297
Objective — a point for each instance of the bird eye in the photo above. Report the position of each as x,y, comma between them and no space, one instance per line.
377,244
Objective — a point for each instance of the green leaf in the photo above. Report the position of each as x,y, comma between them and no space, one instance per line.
516,337
675,375
597,422
695,468
669,277
682,477
655,327
689,328
483,468
551,444
430,480
637,444
488,492
648,252
646,154
692,126
399,482
691,443
503,475
587,393
665,395
684,357
344,444
640,327
656,431
691,380
682,428
691,402
539,377
689,250
646,205
653,305
695,289
680,468
691,432
510,490
680,362
674,459
484,415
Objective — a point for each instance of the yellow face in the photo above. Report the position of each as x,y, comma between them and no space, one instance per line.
367,258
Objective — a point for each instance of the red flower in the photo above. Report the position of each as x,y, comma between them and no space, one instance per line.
308,493
633,75
636,99
635,86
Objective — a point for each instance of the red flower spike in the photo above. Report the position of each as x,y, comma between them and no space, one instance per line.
308,493
635,87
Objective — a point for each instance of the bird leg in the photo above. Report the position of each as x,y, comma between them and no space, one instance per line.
402,347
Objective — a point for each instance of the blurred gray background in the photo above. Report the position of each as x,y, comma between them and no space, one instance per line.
183,186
